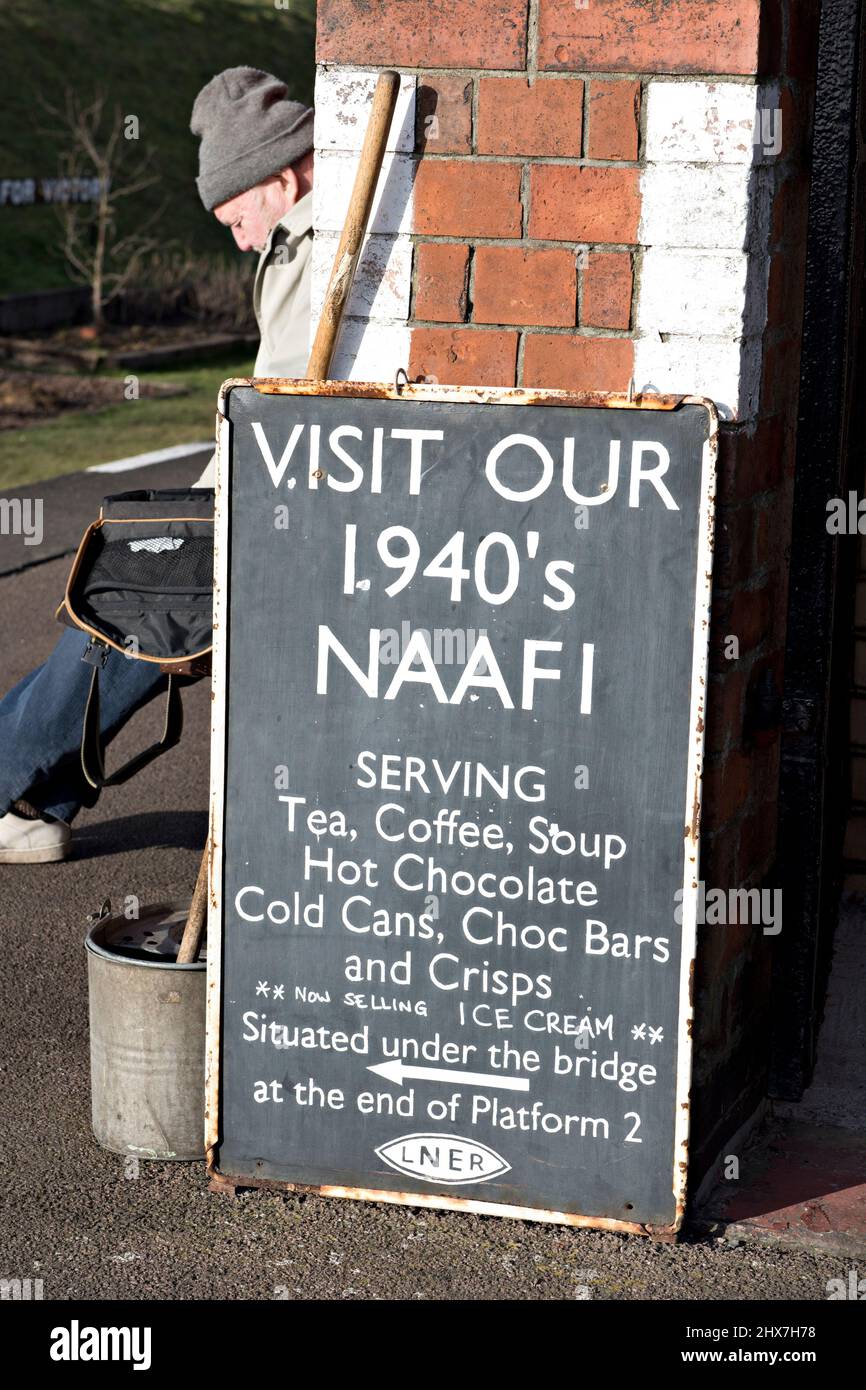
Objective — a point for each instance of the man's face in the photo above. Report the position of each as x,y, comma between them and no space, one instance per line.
252,215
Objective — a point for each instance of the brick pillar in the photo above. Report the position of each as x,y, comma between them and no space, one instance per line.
581,193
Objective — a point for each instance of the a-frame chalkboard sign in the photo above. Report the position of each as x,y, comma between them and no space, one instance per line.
459,677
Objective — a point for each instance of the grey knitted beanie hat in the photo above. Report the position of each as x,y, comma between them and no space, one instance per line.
249,130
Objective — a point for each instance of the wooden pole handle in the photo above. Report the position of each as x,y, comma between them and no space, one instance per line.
192,932
355,225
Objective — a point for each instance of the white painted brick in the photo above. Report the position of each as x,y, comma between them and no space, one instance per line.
374,339
343,100
382,281
370,351
727,370
695,205
693,292
703,276
332,188
699,122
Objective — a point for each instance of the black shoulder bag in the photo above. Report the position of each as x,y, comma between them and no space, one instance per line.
142,584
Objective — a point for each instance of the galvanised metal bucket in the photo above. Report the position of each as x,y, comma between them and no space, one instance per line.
147,1036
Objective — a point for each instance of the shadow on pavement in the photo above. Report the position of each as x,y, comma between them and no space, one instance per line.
151,830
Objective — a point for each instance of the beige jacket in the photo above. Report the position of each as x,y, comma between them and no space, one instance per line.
281,300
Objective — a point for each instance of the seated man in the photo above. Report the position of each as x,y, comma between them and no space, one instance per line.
255,175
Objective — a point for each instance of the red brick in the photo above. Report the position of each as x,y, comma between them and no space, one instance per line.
718,848
614,109
792,120
422,33
791,206
712,1028
802,52
464,356
745,615
749,995
524,287
748,466
734,940
459,198
724,721
566,363
750,617
734,536
727,786
772,547
786,288
607,286
766,761
568,203
443,115
441,281
546,118
720,627
773,535
770,42
758,836
718,36
780,380
777,288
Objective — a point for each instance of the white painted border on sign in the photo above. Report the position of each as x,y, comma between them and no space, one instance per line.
694,776
218,735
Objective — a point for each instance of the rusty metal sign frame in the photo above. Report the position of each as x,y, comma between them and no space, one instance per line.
465,395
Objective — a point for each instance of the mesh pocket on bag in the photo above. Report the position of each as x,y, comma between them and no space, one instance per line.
186,566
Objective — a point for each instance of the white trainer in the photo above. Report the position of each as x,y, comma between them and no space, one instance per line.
25,841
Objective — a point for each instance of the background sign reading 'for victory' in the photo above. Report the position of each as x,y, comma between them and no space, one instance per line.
462,708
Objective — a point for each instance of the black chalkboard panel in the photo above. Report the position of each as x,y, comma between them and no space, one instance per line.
457,779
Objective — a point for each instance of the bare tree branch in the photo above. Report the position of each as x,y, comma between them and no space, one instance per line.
90,243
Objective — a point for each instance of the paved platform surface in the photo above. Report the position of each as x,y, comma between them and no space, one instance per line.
92,1226
806,1180
806,1186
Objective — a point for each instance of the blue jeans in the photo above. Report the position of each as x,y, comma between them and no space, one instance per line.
41,719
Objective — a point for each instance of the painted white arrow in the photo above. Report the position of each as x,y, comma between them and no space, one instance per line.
396,1071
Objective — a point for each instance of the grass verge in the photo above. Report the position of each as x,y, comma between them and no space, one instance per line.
76,440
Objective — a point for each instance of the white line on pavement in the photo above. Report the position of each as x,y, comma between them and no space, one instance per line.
177,451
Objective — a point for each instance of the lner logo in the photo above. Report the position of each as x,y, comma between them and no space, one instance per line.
442,1158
